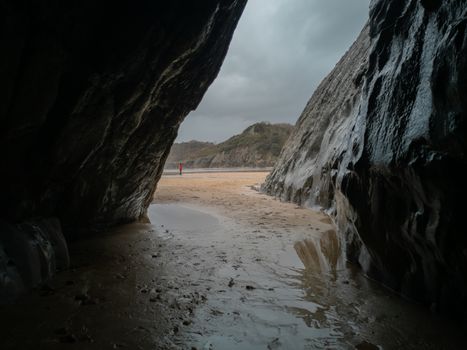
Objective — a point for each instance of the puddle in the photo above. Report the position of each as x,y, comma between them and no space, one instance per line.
182,218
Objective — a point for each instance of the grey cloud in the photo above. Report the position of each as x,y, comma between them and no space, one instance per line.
280,52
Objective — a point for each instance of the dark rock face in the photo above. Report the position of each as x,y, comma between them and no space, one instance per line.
397,185
30,253
306,170
92,95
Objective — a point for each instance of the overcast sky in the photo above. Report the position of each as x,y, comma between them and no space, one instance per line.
280,52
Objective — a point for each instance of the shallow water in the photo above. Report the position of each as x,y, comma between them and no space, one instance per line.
293,291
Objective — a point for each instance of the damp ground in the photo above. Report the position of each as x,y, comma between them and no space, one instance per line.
220,267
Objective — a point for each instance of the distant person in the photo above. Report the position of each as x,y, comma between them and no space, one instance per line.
180,167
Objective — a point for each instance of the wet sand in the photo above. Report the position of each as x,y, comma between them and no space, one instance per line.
221,267
305,295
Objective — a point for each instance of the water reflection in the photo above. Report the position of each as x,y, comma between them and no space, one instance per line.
320,253
358,313
301,295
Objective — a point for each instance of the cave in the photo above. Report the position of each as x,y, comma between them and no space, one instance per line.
93,94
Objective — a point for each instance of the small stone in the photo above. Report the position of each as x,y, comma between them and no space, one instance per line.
231,283
248,287
216,312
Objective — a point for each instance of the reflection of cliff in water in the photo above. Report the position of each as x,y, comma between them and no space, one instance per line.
321,254
336,298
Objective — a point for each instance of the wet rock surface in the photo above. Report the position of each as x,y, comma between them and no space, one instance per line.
30,254
91,99
395,185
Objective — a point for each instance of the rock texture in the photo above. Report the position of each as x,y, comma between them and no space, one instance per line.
91,97
258,146
386,155
306,170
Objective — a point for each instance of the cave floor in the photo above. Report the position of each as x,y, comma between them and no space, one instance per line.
220,267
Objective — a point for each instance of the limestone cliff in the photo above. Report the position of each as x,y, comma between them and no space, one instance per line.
91,97
386,153
306,170
93,94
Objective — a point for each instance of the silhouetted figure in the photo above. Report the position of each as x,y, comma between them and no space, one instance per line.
180,167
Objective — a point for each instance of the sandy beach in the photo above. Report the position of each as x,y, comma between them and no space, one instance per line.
277,276
235,195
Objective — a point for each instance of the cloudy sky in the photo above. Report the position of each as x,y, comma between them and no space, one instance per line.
280,52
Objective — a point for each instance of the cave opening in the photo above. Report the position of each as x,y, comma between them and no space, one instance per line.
94,96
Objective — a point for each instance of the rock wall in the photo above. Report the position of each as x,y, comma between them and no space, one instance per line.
91,97
386,156
306,170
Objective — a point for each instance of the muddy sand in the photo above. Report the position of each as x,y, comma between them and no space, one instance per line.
221,267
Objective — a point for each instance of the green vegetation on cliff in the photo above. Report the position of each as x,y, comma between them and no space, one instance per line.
257,146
